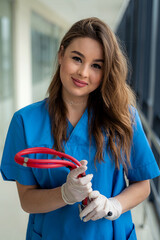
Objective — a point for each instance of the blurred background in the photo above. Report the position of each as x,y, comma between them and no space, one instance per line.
30,31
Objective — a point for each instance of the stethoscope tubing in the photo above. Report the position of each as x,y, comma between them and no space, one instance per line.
48,163
45,163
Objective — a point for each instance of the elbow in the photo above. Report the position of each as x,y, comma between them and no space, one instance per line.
26,203
28,206
147,189
25,207
26,196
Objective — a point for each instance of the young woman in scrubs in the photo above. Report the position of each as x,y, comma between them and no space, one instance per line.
90,114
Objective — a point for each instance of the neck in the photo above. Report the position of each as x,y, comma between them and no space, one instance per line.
75,110
74,103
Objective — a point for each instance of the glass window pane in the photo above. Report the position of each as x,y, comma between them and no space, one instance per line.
45,41
6,76
5,50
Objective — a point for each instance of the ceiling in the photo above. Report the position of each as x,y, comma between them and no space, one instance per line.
74,10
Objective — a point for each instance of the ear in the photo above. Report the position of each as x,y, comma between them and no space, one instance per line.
60,54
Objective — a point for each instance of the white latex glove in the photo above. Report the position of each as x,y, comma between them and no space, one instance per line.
100,206
76,189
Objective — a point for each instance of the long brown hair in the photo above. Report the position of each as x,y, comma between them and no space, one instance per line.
110,103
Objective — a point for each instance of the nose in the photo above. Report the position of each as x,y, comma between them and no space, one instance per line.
83,71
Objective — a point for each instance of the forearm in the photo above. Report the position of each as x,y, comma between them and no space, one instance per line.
35,200
100,206
136,193
75,189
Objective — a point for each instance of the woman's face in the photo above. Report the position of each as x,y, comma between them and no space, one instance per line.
81,68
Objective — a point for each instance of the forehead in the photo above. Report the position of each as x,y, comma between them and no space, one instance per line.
87,46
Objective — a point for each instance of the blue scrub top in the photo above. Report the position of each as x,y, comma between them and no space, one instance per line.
31,127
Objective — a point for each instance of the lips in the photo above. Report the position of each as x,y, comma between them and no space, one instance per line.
79,83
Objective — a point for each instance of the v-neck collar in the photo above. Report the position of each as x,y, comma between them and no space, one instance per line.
80,131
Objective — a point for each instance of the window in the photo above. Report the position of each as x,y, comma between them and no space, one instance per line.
6,72
5,50
45,43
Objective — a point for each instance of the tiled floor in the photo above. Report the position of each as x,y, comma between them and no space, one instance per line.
13,220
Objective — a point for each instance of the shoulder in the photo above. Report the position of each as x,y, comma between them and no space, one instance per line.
33,122
140,141
34,110
33,119
133,113
137,126
135,118
33,115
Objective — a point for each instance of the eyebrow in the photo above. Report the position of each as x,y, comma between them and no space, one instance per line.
81,55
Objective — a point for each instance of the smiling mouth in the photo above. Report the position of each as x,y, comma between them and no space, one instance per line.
79,83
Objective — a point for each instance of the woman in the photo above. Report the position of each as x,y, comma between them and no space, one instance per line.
90,114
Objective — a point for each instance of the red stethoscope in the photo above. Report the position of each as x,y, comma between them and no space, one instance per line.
48,163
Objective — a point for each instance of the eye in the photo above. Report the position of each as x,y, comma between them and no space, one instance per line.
77,59
97,66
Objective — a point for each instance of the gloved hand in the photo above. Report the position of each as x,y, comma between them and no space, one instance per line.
100,206
76,189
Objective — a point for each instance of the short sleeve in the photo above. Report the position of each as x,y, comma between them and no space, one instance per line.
15,142
143,163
